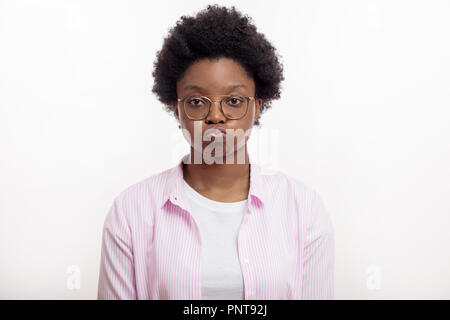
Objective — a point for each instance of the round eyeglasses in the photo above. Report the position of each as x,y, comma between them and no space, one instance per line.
233,106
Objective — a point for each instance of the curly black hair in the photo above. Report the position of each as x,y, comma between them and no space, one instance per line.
213,33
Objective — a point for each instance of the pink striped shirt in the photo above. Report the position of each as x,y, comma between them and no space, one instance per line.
151,246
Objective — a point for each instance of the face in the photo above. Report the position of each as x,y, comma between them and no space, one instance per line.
212,78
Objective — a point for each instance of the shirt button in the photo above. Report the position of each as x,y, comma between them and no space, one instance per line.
246,261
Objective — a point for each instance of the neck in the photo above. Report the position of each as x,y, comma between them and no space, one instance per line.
218,178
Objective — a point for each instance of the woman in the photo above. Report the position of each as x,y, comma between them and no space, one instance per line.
216,226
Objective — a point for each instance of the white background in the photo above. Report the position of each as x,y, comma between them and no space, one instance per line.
364,119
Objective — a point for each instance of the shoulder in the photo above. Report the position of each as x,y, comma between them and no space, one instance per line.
136,203
145,188
306,200
288,184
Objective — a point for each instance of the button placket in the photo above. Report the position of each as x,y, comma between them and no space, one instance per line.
244,256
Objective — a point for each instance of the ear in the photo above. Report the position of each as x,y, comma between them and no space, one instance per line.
258,104
175,110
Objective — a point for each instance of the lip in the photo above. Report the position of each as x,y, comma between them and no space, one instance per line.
222,132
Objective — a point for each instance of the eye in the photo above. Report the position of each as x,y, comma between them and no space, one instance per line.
196,101
235,101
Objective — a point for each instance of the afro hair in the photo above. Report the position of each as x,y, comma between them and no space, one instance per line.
213,33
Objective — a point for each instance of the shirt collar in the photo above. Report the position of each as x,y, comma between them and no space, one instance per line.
174,188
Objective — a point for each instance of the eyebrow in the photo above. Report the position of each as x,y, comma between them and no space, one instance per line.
234,86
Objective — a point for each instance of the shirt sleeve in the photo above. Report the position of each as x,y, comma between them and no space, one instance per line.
116,278
318,263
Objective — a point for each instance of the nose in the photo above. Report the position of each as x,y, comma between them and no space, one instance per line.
215,114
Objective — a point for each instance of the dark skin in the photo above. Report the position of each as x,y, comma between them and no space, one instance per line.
218,181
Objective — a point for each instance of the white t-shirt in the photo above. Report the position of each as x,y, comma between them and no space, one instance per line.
219,224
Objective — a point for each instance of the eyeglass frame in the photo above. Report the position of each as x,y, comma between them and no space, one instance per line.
220,105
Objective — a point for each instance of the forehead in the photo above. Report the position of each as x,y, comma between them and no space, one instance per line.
215,76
